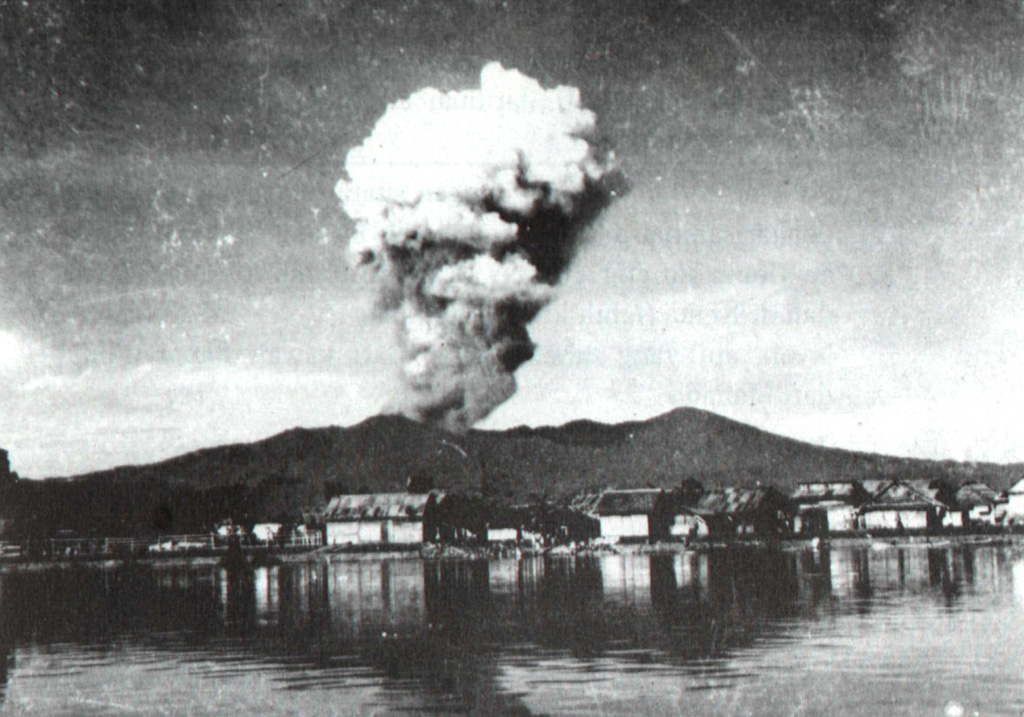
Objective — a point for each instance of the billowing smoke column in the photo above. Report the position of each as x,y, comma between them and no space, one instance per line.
469,206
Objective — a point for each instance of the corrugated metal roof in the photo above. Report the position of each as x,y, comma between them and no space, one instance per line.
627,502
737,501
380,506
874,485
826,490
585,503
899,494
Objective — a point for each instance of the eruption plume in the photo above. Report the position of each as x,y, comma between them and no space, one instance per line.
469,206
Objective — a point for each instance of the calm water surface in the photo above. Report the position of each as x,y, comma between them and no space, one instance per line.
913,631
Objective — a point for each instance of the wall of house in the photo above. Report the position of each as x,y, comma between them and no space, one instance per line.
265,532
891,519
1015,506
842,519
953,519
342,533
405,532
502,535
356,532
687,525
370,531
984,515
811,521
624,526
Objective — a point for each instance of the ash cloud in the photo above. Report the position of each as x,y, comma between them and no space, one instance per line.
469,206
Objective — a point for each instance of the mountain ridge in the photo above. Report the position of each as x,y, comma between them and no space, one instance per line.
284,475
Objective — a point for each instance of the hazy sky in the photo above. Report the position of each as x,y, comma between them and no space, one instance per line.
862,301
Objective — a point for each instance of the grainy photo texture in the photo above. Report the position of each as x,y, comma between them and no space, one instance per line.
510,357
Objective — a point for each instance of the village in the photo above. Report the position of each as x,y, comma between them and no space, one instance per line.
686,517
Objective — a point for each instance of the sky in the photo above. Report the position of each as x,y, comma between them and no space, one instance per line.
157,302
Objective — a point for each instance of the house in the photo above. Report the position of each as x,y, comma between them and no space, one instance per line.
584,503
826,507
754,512
688,524
506,523
1015,502
979,504
382,518
873,486
459,518
689,492
944,492
685,522
632,514
903,506
266,533
562,523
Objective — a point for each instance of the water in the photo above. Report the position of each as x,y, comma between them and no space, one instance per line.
856,631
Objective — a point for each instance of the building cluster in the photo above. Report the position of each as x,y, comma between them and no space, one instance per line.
687,513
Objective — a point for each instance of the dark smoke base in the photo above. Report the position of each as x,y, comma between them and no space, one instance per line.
549,238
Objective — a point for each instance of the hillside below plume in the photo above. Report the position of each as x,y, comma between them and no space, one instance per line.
279,477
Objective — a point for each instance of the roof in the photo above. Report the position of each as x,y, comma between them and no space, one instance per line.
1017,487
938,488
627,502
738,501
821,491
976,493
585,503
874,485
900,495
380,506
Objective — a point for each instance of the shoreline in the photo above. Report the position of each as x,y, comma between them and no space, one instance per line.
270,557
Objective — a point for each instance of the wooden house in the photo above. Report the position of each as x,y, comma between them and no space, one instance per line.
685,523
944,492
903,506
638,514
507,523
566,522
382,518
827,507
1015,503
266,533
753,512
688,524
979,504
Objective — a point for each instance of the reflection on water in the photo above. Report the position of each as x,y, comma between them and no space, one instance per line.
852,631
